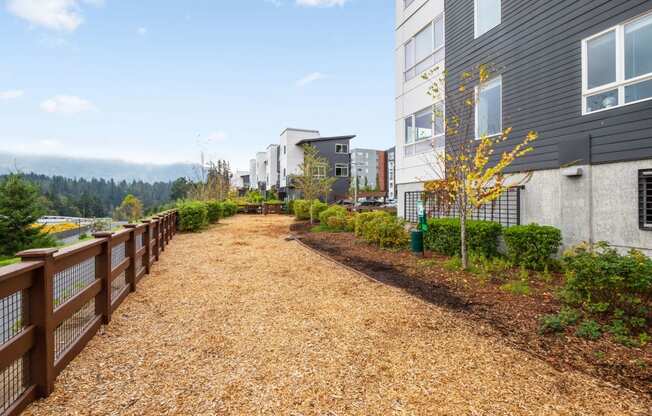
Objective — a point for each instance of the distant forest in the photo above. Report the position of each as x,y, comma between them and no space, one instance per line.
95,197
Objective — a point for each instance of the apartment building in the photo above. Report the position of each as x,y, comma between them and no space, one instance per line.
420,46
366,168
579,72
253,181
272,163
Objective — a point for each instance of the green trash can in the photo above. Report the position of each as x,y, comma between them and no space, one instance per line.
416,241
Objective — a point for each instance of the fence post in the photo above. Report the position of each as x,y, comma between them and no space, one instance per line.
161,236
131,253
104,269
41,310
157,223
167,228
148,247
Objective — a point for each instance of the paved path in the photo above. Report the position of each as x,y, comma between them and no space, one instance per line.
238,321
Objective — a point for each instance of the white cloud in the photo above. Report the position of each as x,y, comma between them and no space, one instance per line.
321,3
66,104
276,3
217,136
51,14
142,31
310,78
11,94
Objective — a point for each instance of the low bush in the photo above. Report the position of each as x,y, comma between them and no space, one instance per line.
229,208
193,216
362,220
215,211
589,329
532,246
344,223
317,208
603,282
301,209
386,231
560,321
517,287
291,207
443,236
332,211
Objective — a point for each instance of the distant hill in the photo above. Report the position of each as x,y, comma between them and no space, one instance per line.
94,168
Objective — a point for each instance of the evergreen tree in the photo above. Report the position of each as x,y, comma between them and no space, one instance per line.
20,208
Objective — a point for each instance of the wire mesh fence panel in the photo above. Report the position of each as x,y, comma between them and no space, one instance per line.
139,264
118,255
139,241
11,316
118,284
14,380
71,329
69,282
505,210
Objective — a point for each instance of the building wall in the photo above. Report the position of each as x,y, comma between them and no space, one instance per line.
261,171
326,149
411,96
538,51
291,155
401,190
253,181
271,172
600,205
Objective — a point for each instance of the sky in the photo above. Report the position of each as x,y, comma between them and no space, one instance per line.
159,81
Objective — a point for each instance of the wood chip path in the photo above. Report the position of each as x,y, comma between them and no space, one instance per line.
239,321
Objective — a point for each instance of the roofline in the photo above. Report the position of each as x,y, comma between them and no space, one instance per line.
301,130
325,139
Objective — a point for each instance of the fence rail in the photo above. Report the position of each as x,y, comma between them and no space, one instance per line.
505,210
54,302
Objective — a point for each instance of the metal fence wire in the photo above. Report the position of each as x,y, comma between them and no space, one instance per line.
118,285
505,210
118,255
14,380
69,330
11,317
69,282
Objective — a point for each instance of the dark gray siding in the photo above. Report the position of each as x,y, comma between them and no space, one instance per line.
537,49
326,149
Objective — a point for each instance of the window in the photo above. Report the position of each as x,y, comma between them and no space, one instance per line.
617,66
284,149
487,16
342,148
425,49
488,108
424,130
341,170
645,199
320,172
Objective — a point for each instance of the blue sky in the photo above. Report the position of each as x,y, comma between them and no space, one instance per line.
161,80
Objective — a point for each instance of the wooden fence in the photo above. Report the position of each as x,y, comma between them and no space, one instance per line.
54,302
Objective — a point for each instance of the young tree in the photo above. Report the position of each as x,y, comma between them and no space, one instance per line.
471,172
20,208
314,180
214,182
131,209
179,189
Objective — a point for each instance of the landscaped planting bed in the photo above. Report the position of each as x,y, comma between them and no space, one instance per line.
495,303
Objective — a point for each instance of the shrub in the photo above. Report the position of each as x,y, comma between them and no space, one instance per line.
443,236
589,329
193,216
291,207
317,208
344,223
517,287
301,209
362,220
386,231
230,208
558,322
215,211
602,281
532,246
332,211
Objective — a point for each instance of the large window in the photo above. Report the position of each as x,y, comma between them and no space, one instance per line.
488,108
341,148
319,172
645,199
425,50
424,131
487,16
617,66
341,170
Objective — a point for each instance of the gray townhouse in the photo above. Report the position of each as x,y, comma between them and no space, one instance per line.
579,72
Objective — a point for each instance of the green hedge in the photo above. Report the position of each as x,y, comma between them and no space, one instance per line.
363,220
444,236
332,211
301,209
532,246
193,216
215,211
317,208
385,231
230,208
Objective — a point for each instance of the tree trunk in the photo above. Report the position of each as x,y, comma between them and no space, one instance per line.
465,255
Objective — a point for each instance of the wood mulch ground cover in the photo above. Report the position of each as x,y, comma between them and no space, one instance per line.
239,320
514,318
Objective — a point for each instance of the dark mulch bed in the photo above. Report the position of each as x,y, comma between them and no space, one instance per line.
515,318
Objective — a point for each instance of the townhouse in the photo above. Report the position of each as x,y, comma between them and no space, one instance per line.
579,72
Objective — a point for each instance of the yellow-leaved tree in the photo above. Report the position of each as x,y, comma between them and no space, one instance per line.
471,171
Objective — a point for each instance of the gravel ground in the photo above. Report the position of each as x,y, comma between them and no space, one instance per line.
238,321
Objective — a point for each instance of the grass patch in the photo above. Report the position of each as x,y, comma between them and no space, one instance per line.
7,262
